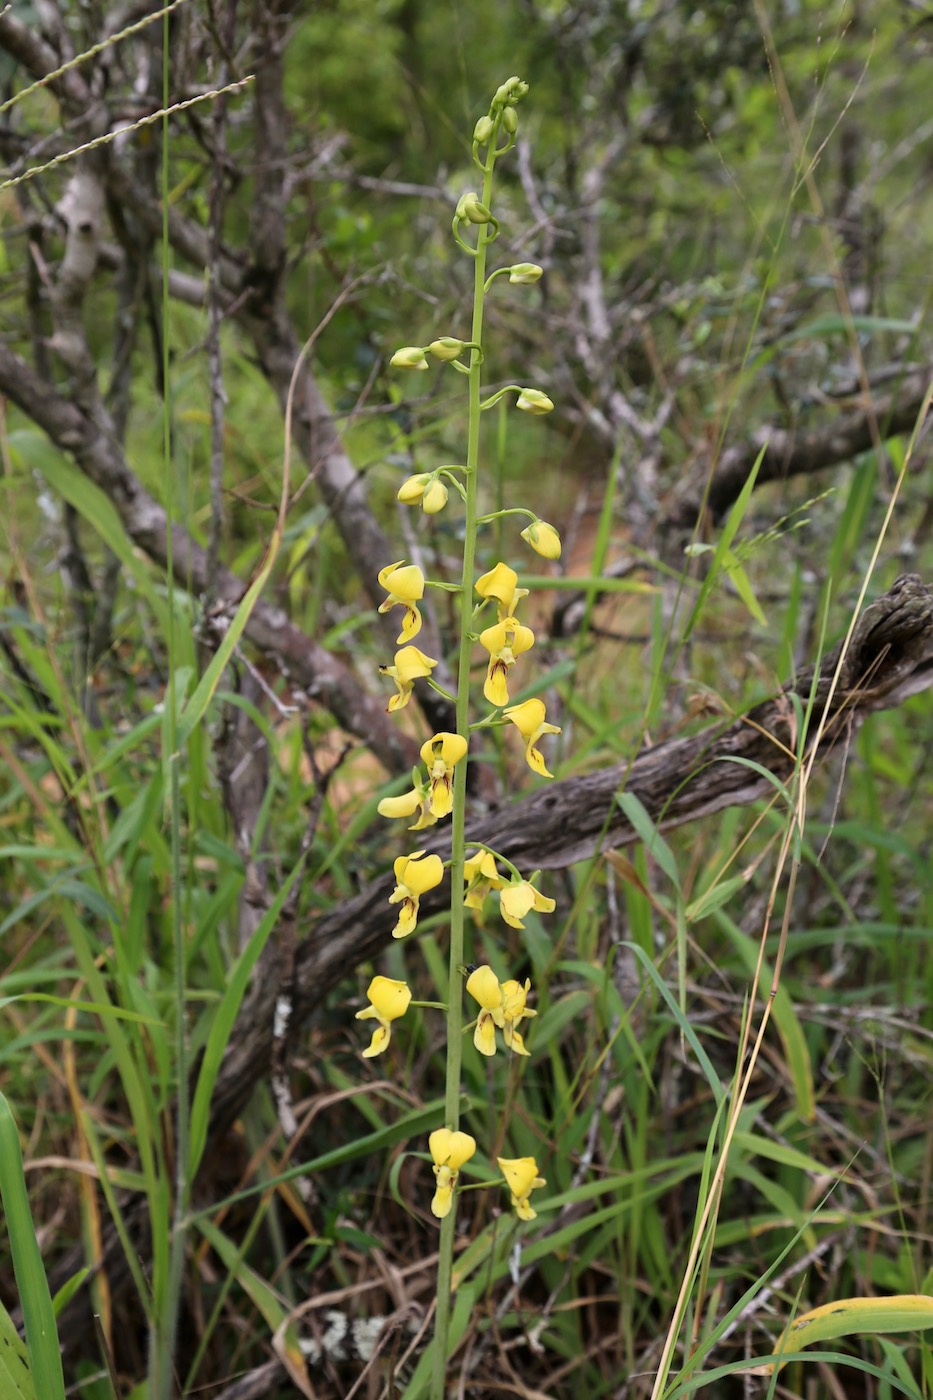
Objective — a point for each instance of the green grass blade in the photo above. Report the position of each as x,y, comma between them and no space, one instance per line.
45,1361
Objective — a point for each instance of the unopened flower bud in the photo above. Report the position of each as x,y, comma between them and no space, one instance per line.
473,209
510,120
543,539
411,491
523,274
434,498
409,357
483,130
447,348
511,91
533,401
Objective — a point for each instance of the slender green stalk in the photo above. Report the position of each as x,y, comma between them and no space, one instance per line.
167,1299
455,995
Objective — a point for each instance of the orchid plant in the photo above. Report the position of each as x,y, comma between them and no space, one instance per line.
439,791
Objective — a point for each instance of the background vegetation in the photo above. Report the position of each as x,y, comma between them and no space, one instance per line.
732,204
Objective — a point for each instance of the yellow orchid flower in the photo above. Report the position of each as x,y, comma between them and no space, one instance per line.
404,584
450,1150
529,720
521,1177
410,665
442,752
518,898
388,1001
501,583
503,1005
543,539
481,876
505,641
415,875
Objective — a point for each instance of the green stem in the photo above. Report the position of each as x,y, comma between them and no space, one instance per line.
458,848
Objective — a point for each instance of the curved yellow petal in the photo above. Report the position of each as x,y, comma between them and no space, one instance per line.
390,997
484,1035
380,1041
483,986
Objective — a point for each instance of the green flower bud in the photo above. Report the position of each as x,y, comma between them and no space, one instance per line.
473,209
483,130
447,348
411,490
523,274
434,498
533,401
510,120
511,91
409,357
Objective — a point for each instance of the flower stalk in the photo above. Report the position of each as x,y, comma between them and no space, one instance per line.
439,790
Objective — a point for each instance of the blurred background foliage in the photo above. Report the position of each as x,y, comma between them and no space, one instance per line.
732,205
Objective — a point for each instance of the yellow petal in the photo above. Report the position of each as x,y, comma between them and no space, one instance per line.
483,986
411,664
407,916
411,624
496,684
380,1041
515,901
484,1034
521,1174
527,717
404,806
412,489
444,748
390,998
443,1200
451,1149
482,864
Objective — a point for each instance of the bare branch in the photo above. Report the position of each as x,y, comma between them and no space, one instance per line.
302,661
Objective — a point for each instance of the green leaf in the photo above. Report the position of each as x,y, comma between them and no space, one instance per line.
45,1360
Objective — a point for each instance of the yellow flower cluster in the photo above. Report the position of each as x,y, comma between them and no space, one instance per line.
502,1004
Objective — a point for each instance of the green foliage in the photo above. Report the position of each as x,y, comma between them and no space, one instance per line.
702,1186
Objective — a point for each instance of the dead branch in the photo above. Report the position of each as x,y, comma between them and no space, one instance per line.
801,452
302,661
